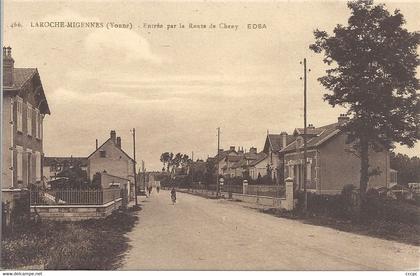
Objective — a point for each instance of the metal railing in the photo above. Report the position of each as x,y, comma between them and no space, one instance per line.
266,190
277,191
237,189
74,197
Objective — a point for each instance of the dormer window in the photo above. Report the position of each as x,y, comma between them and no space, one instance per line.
102,153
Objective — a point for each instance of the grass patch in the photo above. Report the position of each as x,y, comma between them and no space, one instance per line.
85,245
380,228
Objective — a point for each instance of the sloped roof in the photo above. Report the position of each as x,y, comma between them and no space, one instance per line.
239,164
309,131
324,134
250,155
274,141
234,158
261,157
48,161
115,146
23,75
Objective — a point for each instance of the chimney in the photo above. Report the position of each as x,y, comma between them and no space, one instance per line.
8,66
119,142
96,143
343,119
232,148
311,126
113,136
283,139
253,150
241,150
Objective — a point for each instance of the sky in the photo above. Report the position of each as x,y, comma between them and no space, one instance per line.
176,86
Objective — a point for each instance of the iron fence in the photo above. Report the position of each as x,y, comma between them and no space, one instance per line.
266,190
237,189
277,191
74,197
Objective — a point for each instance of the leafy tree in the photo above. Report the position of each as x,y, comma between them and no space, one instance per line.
408,168
210,174
372,73
166,159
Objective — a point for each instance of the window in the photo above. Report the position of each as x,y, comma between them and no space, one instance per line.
102,153
37,125
308,170
19,113
29,112
19,163
41,125
37,166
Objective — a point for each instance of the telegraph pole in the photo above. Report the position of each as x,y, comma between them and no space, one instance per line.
192,169
134,165
143,168
305,204
217,160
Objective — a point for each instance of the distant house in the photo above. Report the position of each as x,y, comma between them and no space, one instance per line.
114,165
24,109
331,162
225,159
55,165
258,167
274,143
242,167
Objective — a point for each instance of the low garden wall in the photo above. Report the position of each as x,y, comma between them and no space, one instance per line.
76,212
274,202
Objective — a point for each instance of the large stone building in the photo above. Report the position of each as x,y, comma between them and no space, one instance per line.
24,109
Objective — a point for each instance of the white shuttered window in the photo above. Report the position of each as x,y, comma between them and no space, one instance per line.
19,113
38,166
29,118
19,163
37,126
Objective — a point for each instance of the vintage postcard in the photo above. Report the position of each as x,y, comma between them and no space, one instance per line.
210,135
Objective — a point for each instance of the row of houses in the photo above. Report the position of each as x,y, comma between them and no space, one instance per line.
331,162
25,165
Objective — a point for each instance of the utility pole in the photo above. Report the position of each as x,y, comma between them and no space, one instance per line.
192,169
217,160
305,204
134,166
143,168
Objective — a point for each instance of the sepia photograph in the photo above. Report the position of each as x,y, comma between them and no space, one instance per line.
210,136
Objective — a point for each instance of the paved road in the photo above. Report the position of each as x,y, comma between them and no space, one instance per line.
204,234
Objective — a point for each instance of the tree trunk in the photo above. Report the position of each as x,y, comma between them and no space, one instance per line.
364,173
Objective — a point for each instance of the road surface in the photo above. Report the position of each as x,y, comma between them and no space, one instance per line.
203,234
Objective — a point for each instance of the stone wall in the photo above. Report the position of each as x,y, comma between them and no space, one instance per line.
76,212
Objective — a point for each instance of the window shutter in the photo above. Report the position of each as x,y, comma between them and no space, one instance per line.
38,166
36,114
29,118
19,164
19,113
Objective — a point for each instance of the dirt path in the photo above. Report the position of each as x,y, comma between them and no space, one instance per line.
202,234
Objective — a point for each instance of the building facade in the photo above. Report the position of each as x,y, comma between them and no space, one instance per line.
24,110
331,162
112,160
274,143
